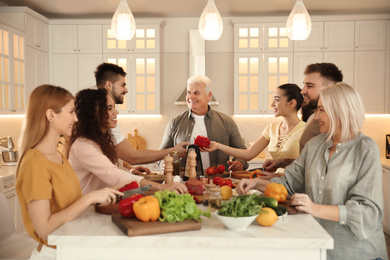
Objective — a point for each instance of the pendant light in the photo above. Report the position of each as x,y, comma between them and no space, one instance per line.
123,23
298,22
210,22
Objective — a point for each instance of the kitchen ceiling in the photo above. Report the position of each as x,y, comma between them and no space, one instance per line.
193,8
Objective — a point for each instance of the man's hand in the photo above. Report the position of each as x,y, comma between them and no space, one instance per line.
180,148
235,166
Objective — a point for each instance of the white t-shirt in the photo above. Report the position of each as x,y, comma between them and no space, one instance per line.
118,136
200,129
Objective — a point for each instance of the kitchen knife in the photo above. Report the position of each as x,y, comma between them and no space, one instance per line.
139,190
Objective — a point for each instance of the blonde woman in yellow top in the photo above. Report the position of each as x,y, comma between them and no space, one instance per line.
282,138
48,189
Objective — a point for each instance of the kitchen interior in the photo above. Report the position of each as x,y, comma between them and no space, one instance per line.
61,42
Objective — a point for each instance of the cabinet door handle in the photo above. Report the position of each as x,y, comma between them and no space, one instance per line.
74,50
9,185
39,46
10,196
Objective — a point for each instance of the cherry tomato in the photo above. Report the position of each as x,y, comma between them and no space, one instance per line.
211,171
216,180
221,168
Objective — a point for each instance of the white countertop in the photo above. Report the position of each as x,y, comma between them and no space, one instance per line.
385,162
299,231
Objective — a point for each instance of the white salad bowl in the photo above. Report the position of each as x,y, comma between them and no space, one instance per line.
236,223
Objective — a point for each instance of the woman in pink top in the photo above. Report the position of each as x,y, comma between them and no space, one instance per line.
92,152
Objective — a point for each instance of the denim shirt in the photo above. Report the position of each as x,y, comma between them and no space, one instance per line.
350,179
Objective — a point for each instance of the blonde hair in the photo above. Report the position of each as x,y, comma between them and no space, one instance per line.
36,125
200,79
345,110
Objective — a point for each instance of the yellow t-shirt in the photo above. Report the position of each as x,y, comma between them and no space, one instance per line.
283,147
41,179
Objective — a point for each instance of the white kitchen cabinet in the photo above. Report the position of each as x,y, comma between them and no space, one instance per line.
339,36
146,40
37,33
315,41
386,200
344,60
37,73
263,60
369,79
77,38
75,71
301,60
370,35
12,70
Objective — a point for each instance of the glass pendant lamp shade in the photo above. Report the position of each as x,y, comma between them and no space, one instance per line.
298,22
123,23
210,22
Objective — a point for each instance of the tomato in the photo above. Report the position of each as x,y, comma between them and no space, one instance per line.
216,180
230,184
210,171
222,182
215,169
221,168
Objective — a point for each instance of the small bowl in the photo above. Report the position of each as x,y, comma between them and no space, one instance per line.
236,223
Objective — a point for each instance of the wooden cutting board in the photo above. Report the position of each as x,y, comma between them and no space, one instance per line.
290,209
241,174
134,227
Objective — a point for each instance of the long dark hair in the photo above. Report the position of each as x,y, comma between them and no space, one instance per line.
91,111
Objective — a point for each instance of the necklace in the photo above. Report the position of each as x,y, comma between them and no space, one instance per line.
282,139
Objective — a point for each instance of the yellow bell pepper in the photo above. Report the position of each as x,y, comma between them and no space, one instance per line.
147,209
276,191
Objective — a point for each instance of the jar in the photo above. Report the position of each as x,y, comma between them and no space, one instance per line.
176,164
206,193
215,199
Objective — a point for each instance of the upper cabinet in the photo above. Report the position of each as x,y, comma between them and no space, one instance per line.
37,33
77,38
339,36
263,60
370,35
12,70
77,49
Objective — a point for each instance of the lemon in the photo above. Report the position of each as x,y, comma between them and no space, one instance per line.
226,192
267,217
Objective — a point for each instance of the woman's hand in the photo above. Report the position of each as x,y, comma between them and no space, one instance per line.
270,175
104,196
176,186
140,170
302,202
212,147
245,185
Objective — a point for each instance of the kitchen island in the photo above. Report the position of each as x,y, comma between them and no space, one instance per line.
95,236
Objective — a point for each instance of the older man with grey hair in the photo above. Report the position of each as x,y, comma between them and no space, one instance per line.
201,119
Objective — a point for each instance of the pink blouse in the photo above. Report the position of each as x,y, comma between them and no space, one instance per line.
94,170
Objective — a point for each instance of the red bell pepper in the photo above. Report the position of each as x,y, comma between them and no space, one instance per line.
202,141
126,205
130,186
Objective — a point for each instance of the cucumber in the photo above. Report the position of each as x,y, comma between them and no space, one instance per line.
280,210
267,201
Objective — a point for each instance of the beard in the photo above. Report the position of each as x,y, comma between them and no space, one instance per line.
117,97
312,104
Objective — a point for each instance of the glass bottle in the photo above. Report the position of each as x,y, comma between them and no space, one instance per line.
215,199
176,163
206,193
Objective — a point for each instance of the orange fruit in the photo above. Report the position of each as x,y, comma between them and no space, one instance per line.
267,217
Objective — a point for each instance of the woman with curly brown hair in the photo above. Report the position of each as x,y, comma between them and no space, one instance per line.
92,152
